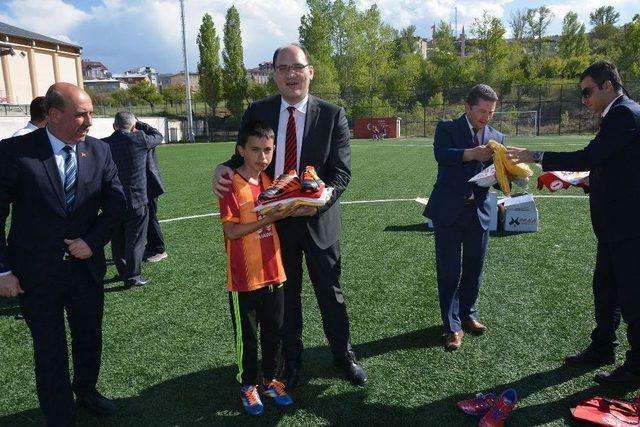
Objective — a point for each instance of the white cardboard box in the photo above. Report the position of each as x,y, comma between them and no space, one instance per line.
520,213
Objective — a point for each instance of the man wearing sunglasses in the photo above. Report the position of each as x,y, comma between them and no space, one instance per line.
309,132
614,199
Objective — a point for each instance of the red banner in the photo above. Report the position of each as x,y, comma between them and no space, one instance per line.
376,128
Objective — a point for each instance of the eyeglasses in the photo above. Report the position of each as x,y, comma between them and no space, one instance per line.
588,91
297,68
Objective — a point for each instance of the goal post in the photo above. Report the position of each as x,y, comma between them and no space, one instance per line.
515,122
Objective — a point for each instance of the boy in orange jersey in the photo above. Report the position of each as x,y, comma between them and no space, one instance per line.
254,269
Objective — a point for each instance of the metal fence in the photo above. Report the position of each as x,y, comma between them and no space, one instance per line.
541,109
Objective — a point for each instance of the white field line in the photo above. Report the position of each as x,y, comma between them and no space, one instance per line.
362,202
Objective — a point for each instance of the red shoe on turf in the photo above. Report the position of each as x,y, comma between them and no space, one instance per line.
499,412
479,405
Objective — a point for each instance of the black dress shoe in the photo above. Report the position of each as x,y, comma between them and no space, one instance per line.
354,371
97,403
129,283
290,374
591,357
618,375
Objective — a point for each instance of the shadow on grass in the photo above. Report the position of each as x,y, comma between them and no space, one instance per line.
9,307
422,226
211,397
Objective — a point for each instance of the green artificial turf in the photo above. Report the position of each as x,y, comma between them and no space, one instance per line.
168,355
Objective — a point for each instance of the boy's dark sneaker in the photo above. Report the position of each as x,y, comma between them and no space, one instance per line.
285,183
276,390
310,182
499,412
479,405
251,402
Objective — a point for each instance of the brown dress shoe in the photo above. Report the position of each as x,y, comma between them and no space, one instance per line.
474,327
453,341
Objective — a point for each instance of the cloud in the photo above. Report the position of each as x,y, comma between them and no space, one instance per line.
125,34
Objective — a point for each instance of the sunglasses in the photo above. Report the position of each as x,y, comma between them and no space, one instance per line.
587,91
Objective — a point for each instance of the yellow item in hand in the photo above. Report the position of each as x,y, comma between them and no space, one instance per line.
506,170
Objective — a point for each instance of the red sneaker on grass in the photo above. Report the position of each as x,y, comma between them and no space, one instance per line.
499,412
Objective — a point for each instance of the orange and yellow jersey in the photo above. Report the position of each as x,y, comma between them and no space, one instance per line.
253,261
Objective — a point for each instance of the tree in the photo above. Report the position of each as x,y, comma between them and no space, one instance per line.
605,36
122,97
145,91
234,74
492,48
175,94
209,66
518,24
405,42
604,15
538,21
573,46
314,32
630,58
350,50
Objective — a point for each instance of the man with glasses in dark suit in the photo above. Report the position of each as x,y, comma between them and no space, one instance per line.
309,132
614,198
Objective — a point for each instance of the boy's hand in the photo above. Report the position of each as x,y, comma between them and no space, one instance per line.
220,184
305,211
277,215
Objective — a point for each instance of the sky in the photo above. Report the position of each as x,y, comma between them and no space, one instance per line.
125,34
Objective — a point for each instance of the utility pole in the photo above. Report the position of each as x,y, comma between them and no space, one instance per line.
190,135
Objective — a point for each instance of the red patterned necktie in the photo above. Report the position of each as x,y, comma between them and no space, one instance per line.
291,143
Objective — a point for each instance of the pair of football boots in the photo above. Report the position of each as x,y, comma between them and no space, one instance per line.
289,182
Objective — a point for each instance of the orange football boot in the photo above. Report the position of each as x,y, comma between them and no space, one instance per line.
310,182
285,183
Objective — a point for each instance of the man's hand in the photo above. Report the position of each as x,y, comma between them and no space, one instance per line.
220,184
10,286
481,153
78,248
519,155
305,211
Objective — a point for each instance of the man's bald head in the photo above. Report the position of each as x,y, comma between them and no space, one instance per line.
70,112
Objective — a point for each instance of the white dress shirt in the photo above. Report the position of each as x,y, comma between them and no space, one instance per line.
30,127
301,114
58,151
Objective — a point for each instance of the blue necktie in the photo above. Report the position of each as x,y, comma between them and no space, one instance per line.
70,174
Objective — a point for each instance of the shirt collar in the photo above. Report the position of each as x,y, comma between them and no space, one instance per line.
300,106
471,127
606,110
56,144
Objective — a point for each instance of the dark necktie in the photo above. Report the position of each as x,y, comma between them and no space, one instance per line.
476,137
70,174
291,143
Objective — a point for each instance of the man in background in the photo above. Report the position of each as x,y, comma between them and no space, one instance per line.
38,117
130,144
155,249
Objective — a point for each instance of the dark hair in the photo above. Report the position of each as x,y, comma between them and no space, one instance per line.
307,56
53,99
600,72
37,109
481,91
255,128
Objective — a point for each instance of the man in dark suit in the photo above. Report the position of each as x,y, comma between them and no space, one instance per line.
130,144
309,132
460,212
66,198
614,198
155,249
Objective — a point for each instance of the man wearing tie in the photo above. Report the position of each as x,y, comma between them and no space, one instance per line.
309,132
460,212
65,198
614,199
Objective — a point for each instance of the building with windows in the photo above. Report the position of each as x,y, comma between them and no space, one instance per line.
31,62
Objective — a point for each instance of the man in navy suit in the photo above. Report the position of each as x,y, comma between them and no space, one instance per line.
130,144
309,132
614,198
65,199
460,212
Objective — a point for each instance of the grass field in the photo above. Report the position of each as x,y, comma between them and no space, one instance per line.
168,355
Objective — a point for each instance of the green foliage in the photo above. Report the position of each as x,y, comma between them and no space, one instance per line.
234,74
314,31
603,16
145,91
209,66
605,36
372,106
630,58
492,48
174,94
538,21
122,97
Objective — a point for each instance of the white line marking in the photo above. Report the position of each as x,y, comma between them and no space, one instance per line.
362,202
